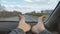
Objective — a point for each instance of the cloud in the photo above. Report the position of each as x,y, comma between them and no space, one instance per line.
23,9
4,1
18,7
28,0
11,7
37,0
36,5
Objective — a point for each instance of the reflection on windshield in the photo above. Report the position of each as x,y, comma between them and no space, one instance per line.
29,8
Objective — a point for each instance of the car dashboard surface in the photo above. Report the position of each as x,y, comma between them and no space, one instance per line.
8,26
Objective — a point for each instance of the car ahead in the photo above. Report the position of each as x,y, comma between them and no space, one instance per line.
52,23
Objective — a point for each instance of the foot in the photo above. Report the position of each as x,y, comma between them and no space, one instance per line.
22,25
39,26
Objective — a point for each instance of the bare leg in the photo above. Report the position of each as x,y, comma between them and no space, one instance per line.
22,25
39,26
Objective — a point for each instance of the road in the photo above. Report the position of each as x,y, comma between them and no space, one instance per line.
15,18
5,26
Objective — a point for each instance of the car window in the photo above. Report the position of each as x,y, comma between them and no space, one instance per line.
31,9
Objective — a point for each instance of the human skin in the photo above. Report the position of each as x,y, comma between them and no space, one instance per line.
22,25
26,27
39,27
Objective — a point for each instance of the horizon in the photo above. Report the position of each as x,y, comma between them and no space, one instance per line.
25,6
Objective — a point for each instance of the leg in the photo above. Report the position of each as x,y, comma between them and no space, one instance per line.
22,25
39,26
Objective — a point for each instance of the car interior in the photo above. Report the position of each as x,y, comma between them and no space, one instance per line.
52,23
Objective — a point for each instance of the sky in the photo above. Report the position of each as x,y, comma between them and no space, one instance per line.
29,5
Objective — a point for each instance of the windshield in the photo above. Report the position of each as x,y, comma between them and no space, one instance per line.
31,9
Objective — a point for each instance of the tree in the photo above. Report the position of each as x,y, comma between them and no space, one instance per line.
2,8
42,11
17,12
33,13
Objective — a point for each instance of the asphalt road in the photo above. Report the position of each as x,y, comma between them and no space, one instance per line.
15,18
5,26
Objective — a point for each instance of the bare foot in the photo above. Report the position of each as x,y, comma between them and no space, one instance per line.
22,25
40,26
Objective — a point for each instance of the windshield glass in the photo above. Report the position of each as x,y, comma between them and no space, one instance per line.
31,9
